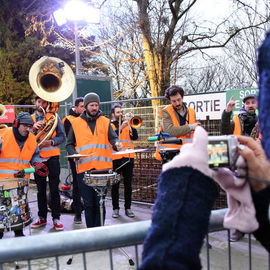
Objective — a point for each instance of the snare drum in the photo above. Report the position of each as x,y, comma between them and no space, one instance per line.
14,209
100,180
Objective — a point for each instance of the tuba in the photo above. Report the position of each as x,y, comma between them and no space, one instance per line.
2,113
52,80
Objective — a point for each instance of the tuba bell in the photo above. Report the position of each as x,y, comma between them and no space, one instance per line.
53,80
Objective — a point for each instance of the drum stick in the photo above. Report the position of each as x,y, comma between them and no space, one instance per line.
119,128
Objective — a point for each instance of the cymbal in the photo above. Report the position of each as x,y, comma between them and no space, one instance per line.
128,151
76,156
169,149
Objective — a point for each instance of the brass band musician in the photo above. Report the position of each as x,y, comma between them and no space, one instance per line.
49,152
123,163
91,134
18,144
74,113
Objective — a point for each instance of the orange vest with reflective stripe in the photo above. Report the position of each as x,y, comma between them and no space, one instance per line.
69,118
50,151
12,159
237,126
190,119
96,146
126,143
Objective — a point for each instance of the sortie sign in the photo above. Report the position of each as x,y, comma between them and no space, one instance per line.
211,105
238,96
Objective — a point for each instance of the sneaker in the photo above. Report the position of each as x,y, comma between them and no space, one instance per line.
115,213
129,213
39,223
58,225
77,219
236,236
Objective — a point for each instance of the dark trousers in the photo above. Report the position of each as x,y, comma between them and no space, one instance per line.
75,190
127,172
16,233
91,204
54,172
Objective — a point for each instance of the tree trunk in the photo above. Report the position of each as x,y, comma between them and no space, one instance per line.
150,57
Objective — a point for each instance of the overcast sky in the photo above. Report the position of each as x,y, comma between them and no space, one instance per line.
212,9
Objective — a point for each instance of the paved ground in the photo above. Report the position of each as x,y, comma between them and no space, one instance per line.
95,260
100,260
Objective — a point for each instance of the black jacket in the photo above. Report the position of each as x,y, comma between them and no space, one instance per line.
247,122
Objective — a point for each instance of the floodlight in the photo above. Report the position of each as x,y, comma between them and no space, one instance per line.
75,10
92,15
59,16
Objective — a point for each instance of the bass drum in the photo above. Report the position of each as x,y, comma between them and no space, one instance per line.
14,210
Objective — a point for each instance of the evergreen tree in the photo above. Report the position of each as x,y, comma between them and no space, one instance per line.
17,53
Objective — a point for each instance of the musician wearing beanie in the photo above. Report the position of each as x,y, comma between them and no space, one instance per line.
91,134
18,144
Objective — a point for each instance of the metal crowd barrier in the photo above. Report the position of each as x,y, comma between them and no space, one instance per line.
96,239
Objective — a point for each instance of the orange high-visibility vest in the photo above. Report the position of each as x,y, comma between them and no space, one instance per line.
126,143
190,119
12,159
69,118
96,146
50,151
237,126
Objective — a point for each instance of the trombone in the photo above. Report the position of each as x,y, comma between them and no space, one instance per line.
133,121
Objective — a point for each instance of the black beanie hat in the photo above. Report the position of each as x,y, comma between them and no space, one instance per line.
25,118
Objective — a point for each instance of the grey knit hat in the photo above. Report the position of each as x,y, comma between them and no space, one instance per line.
91,97
25,118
